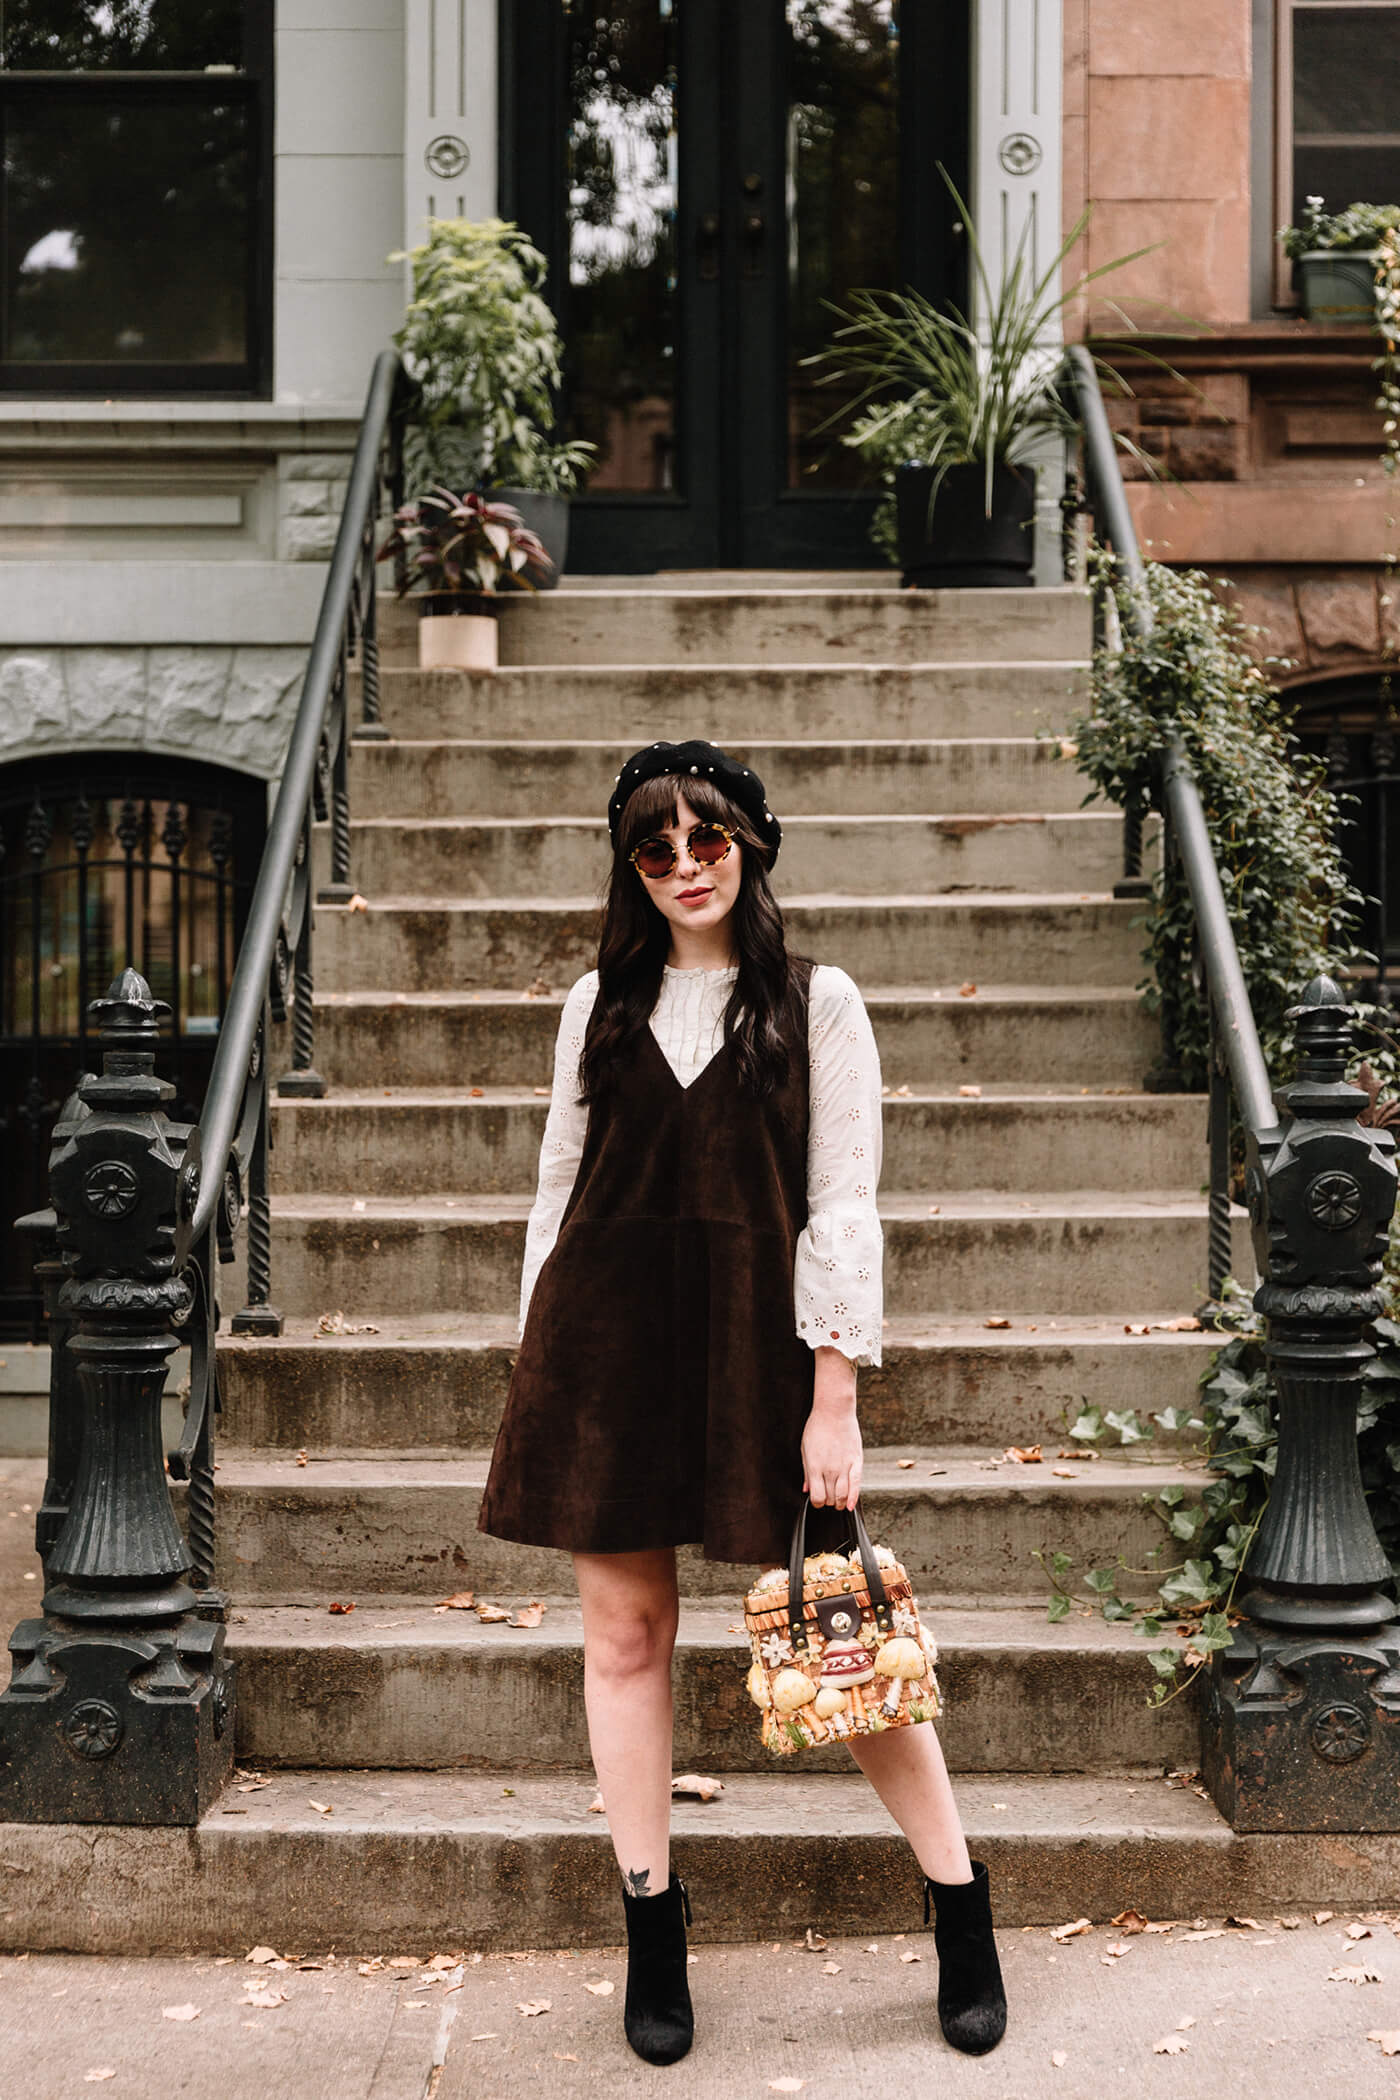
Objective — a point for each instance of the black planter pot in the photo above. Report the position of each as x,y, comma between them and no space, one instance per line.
548,517
959,544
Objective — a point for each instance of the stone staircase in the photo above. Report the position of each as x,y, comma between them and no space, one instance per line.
933,842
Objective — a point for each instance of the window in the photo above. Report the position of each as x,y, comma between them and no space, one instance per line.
135,179
1338,110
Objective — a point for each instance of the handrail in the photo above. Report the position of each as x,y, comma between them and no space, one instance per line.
1228,992
217,1131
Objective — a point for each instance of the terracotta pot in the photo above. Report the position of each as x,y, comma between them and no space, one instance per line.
457,631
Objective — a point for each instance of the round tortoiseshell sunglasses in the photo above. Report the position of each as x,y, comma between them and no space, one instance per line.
656,858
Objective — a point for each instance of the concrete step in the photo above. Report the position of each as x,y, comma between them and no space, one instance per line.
947,1255
793,625
377,1531
632,703
418,944
567,776
419,1861
1011,1035
860,856
424,1687
370,1140
435,1384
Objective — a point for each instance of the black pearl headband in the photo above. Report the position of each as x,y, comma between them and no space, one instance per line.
740,783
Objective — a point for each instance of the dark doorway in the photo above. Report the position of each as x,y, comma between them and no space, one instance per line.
702,175
108,860
1353,725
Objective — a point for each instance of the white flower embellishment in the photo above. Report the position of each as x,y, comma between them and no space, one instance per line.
775,1649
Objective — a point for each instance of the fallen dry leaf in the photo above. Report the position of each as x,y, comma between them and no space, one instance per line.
477,1092
106,2070
831,1968
1024,1454
564,2056
1353,1972
180,2012
1070,1932
905,1463
464,1600
1170,2045
261,1954
1320,1917
1187,1324
786,2085
322,1808
531,2006
492,2037
700,1784
966,991
1118,1947
910,1955
266,1997
1358,1932
338,1606
1130,1328
491,1614
595,1806
403,1961
528,1615
602,1988
1186,2020
816,1941
357,903
1288,1924
1059,2058
1209,1932
1246,1924
970,1093
1130,1921
1388,2037
997,1320
540,1090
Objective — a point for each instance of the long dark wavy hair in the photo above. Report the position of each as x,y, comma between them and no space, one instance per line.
636,938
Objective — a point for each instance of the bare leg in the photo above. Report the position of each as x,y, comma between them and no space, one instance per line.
905,1766
630,1614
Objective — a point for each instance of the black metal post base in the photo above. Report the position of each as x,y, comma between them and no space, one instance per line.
304,1085
370,733
135,1728
256,1319
336,893
1302,1733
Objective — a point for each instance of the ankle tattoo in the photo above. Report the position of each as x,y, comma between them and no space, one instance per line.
637,1880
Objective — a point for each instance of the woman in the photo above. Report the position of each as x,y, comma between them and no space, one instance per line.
701,1280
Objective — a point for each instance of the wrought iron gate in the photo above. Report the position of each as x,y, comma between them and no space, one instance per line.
105,860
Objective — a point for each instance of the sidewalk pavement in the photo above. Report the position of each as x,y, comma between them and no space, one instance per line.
1108,2014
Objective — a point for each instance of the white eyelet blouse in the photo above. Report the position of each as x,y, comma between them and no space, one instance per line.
837,1274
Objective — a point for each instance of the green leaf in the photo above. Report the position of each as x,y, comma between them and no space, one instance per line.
1103,1580
1164,1660
1088,1426
1130,1429
1058,1607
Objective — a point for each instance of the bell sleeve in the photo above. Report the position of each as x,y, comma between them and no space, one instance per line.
838,1270
562,1145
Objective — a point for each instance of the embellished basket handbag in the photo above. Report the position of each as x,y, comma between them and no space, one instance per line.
838,1650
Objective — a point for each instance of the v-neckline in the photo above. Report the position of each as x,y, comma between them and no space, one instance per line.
680,1084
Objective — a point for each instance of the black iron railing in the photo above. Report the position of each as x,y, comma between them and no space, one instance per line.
121,1701
1301,1724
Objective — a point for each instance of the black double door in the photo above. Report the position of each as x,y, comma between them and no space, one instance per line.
704,176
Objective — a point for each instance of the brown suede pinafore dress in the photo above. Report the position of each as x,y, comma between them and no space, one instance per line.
660,1392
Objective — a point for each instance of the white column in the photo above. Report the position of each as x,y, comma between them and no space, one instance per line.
449,158
1017,68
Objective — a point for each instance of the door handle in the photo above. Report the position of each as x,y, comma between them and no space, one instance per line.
707,246
755,232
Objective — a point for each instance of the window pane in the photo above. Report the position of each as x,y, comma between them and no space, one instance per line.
127,227
622,240
1346,72
842,198
1343,175
138,35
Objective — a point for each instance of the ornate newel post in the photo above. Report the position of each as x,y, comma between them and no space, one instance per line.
1301,1724
119,1700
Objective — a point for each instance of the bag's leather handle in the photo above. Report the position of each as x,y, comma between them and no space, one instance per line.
875,1581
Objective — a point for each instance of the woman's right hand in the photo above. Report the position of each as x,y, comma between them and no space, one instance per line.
832,1450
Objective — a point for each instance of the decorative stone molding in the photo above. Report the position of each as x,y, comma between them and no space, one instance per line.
233,706
1330,621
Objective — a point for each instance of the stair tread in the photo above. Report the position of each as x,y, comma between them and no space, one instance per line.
702,1625
895,1206
954,1472
753,1804
874,996
808,820
1008,1093
834,900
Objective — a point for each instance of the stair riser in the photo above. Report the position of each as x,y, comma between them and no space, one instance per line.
381,1148
417,1887
413,949
520,1708
808,626
937,1267
1082,852
1059,1044
307,1543
560,779
383,1396
730,706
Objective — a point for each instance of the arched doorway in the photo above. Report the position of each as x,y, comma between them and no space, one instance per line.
703,176
108,859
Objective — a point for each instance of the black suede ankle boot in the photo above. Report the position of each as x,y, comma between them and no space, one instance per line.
657,2015
971,2001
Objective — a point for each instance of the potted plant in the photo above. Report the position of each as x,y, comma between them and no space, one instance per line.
458,550
955,412
481,344
1336,254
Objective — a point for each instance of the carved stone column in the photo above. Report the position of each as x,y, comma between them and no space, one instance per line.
1301,1725
120,1702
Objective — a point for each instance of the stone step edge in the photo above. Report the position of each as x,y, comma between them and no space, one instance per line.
529,746
1010,997
957,1206
1000,1094
835,900
415,1862
984,820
